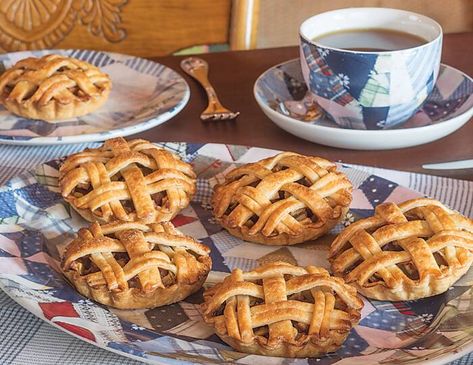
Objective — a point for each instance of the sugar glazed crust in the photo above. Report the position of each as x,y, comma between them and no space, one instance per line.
53,88
282,310
132,265
282,200
127,180
413,250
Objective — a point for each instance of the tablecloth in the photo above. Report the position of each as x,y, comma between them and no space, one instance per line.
25,339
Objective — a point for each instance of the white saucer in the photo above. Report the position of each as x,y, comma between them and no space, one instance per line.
281,94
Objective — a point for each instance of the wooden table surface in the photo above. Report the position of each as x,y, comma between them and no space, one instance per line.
233,75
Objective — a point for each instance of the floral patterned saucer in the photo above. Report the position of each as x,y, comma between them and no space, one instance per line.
282,95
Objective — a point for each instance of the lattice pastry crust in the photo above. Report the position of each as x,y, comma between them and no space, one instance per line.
282,310
135,265
413,250
53,88
282,200
127,180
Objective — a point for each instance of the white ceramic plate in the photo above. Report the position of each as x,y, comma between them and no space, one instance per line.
280,89
36,224
144,95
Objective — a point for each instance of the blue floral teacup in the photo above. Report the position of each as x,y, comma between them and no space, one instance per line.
370,89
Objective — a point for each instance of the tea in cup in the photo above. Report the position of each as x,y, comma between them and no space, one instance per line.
370,68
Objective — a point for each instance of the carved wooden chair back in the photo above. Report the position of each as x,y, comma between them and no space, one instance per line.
140,27
150,28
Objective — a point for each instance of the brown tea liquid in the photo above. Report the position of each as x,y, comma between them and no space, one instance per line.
370,40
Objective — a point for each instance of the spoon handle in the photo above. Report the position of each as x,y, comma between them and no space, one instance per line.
199,70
